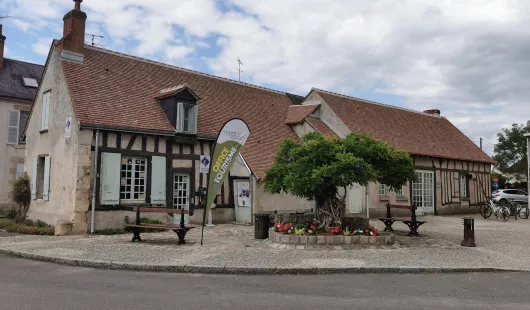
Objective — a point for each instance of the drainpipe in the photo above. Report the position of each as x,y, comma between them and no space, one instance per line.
528,176
95,178
367,207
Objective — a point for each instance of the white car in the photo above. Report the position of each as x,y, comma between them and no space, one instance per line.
503,195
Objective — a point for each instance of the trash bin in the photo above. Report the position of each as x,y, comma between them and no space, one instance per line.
261,226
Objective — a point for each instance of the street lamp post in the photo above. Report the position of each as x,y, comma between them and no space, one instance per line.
528,158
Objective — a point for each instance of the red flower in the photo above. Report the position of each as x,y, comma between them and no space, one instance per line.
370,227
377,231
312,227
366,230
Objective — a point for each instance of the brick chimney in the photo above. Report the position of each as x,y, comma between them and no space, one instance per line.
433,112
2,40
74,30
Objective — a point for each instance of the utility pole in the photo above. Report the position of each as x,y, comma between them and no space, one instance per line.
528,158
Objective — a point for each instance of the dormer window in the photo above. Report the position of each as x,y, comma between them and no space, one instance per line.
186,120
180,105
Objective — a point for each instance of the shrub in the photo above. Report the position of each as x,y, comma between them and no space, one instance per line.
27,227
21,194
110,231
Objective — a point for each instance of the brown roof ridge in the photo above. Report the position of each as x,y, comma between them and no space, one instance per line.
375,102
104,50
23,61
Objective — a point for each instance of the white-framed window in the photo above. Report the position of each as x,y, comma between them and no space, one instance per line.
382,190
46,101
463,186
133,178
20,170
181,190
399,192
187,118
15,126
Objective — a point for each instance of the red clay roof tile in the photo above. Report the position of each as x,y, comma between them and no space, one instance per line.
297,113
415,132
321,127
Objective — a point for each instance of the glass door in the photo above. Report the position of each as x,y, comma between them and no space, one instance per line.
423,192
181,195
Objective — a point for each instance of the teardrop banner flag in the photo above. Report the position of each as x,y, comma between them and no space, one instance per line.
230,140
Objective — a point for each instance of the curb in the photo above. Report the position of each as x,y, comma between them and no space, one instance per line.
249,270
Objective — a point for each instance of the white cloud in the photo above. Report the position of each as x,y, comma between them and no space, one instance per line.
42,46
21,25
466,58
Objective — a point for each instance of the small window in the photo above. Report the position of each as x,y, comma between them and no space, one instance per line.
20,170
463,186
22,125
399,192
46,101
30,82
186,118
133,178
382,190
40,177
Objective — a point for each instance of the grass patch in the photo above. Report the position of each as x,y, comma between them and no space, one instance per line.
27,227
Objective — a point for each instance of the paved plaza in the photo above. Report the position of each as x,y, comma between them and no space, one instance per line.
233,249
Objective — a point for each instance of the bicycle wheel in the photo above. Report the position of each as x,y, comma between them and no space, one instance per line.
524,213
505,214
485,210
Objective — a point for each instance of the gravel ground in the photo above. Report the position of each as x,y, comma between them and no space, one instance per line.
231,248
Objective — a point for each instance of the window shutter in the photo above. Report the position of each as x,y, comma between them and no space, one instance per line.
158,180
180,117
45,110
12,127
34,179
46,187
48,102
110,183
22,125
195,119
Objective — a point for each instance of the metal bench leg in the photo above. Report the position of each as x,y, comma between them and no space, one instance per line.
136,234
413,229
388,225
181,234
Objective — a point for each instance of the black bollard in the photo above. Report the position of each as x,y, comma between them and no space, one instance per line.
469,232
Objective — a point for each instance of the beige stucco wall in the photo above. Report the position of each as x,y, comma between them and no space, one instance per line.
10,155
70,157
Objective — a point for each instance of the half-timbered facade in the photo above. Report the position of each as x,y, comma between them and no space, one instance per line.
452,173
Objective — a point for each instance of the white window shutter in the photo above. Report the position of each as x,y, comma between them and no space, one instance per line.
48,102
195,119
158,180
34,179
45,110
12,126
110,181
180,117
46,187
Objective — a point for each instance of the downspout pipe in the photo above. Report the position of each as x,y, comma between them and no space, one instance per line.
94,180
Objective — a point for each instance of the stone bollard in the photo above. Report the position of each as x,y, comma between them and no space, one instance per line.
63,228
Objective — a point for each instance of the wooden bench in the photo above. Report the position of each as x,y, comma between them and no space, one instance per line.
411,222
180,230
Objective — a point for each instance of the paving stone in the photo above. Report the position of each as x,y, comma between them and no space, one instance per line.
330,240
321,239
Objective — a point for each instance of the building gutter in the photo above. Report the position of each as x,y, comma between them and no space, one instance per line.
129,130
95,178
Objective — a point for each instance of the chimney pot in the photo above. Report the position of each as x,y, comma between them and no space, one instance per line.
74,30
78,5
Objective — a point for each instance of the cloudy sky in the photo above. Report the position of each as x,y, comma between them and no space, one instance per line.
468,58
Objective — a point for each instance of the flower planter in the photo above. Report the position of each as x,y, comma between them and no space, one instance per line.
331,239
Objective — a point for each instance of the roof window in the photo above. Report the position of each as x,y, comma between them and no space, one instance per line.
30,82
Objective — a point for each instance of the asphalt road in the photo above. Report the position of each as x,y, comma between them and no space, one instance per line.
26,284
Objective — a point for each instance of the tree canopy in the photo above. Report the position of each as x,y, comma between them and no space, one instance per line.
319,166
510,152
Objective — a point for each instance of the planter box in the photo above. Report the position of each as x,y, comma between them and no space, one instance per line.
332,240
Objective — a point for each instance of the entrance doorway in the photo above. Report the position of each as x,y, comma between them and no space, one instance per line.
423,192
354,198
181,196
242,201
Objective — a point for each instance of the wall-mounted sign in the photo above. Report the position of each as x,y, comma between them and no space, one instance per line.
205,164
438,185
67,127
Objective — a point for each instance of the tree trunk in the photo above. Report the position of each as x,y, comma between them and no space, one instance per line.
330,210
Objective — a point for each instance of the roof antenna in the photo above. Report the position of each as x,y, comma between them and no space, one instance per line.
4,16
95,36
239,68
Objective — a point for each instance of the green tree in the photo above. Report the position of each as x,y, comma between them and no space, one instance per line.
318,167
510,152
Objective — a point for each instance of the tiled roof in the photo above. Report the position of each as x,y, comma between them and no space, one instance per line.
297,113
118,91
11,79
415,132
321,127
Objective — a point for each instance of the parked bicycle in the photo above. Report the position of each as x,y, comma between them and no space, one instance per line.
490,207
517,209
